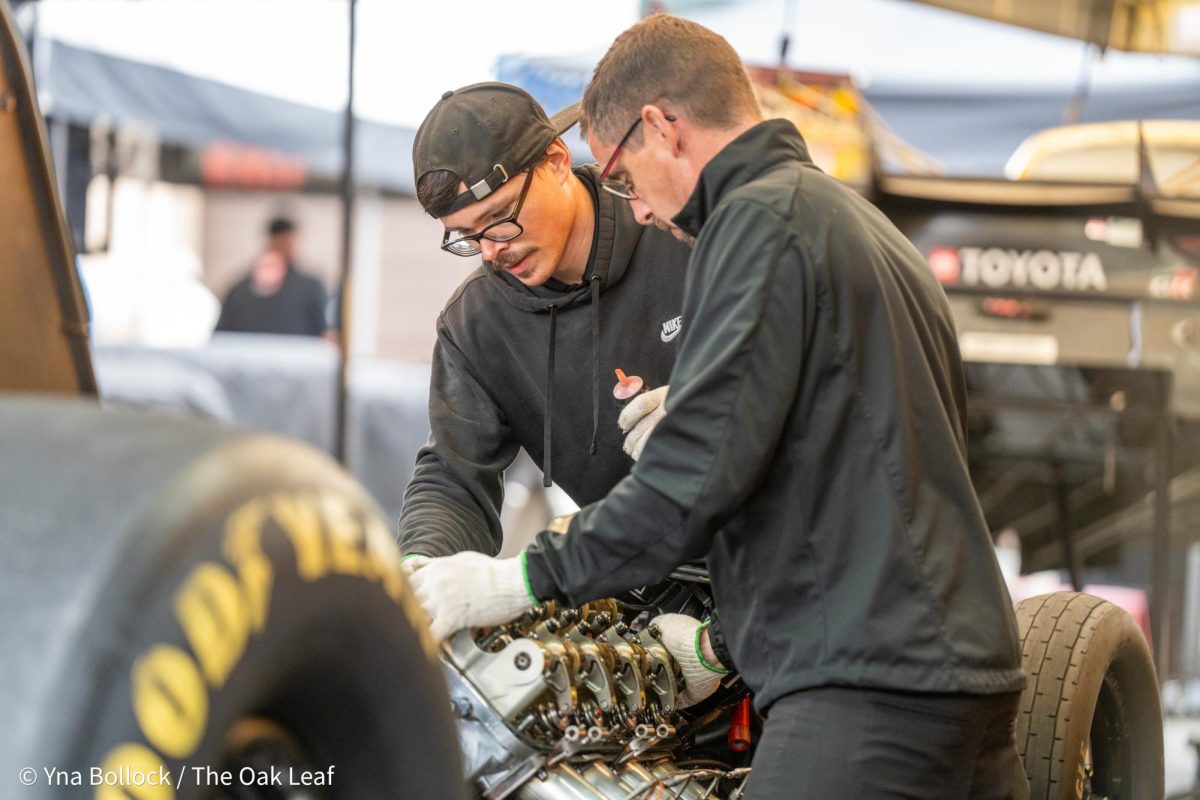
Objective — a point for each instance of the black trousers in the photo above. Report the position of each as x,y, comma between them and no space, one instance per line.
860,744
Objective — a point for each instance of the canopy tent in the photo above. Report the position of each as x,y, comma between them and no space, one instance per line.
83,86
152,63
273,75
1145,26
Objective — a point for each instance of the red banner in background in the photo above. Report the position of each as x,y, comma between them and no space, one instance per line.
230,164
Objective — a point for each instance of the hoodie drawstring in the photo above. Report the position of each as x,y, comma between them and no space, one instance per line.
547,478
595,361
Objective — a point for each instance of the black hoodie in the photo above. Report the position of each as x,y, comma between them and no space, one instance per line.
498,340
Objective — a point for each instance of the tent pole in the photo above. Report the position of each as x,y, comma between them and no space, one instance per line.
346,284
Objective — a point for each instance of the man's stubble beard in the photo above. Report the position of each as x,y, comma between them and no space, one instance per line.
687,239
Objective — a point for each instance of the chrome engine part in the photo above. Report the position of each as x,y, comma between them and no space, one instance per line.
572,703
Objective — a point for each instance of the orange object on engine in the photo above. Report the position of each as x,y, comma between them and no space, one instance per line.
739,727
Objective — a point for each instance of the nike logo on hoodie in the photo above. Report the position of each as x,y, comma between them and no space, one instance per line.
671,329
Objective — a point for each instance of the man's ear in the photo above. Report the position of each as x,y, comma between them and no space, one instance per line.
558,159
654,120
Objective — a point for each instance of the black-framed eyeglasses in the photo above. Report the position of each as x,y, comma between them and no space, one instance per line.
622,188
504,230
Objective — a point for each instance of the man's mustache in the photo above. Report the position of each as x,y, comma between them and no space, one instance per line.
508,258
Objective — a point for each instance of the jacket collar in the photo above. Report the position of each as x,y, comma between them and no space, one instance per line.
760,148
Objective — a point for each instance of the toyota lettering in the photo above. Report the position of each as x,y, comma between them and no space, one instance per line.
1003,268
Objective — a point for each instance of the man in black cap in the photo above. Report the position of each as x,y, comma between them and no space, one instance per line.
571,288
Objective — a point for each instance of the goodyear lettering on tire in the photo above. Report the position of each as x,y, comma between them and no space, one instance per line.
221,606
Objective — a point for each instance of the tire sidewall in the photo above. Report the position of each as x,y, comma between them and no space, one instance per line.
263,583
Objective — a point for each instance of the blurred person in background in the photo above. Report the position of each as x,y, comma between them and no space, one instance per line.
276,297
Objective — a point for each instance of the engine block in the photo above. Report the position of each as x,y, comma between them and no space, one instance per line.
572,703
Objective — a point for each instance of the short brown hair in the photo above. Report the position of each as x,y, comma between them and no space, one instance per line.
668,58
437,191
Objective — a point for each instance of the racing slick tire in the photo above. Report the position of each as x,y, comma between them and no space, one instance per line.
1090,724
191,611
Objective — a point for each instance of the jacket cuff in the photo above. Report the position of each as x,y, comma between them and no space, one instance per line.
539,580
720,670
716,638
523,560
421,546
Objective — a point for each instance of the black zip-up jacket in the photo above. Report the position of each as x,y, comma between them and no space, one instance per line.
498,340
814,448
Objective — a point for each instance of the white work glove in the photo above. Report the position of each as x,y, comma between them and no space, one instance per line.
638,419
470,590
680,634
413,562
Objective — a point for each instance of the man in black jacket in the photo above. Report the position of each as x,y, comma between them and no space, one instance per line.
813,448
571,288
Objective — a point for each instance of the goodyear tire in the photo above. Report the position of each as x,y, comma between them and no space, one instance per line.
189,611
1090,724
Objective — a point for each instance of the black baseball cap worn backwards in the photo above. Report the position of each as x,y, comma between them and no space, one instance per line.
486,133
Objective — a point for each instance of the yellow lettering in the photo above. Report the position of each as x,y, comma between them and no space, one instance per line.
169,700
298,518
212,611
345,535
243,548
132,771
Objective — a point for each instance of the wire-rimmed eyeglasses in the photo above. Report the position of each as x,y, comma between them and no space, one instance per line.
622,188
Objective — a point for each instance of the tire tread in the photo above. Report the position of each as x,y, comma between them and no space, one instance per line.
1054,647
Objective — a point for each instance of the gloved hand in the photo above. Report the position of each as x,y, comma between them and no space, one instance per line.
638,419
469,590
413,562
682,635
